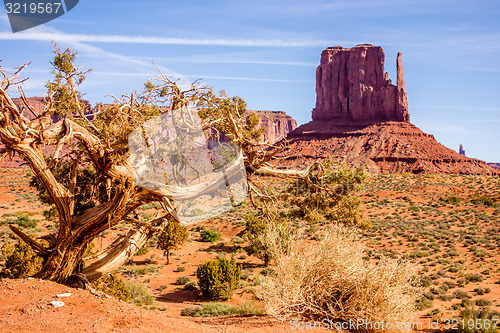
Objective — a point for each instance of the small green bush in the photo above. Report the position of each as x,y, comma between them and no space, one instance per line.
21,261
143,250
218,278
474,277
113,286
139,293
182,280
485,201
209,236
423,303
450,200
25,222
191,285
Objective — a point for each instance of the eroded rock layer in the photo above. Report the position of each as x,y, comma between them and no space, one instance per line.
386,147
361,118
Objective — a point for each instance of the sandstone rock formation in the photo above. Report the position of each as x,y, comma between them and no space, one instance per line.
360,118
386,147
38,104
352,86
461,150
494,165
277,123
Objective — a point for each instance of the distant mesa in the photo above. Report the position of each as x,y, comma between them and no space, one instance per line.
361,118
277,123
494,165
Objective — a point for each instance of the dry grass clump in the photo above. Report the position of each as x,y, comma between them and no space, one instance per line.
330,280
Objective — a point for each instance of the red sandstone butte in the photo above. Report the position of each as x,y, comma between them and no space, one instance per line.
361,118
351,85
277,123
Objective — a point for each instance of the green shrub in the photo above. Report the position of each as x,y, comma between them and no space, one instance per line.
113,286
191,285
139,293
143,250
222,309
209,236
450,200
218,278
482,302
182,280
478,321
136,271
172,236
485,201
474,277
25,222
20,261
423,303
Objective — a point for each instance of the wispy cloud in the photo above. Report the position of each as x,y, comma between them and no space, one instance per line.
89,38
237,61
247,79
470,108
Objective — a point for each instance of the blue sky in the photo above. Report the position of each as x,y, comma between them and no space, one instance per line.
267,51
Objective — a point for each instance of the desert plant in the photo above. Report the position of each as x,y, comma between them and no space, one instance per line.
265,231
335,201
484,200
209,236
172,236
182,280
481,320
112,285
222,309
452,199
139,293
21,261
330,280
218,278
25,222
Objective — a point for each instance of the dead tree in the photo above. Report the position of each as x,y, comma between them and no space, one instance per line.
82,139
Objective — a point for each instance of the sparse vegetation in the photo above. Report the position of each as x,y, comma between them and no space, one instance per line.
222,309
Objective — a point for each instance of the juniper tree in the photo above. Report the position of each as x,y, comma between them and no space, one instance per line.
89,178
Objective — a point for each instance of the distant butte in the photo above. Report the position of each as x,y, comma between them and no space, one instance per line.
361,118
352,87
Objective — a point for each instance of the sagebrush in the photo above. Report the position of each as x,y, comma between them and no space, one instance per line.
330,280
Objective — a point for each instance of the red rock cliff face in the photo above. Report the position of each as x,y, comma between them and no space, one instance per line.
351,85
361,118
277,123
